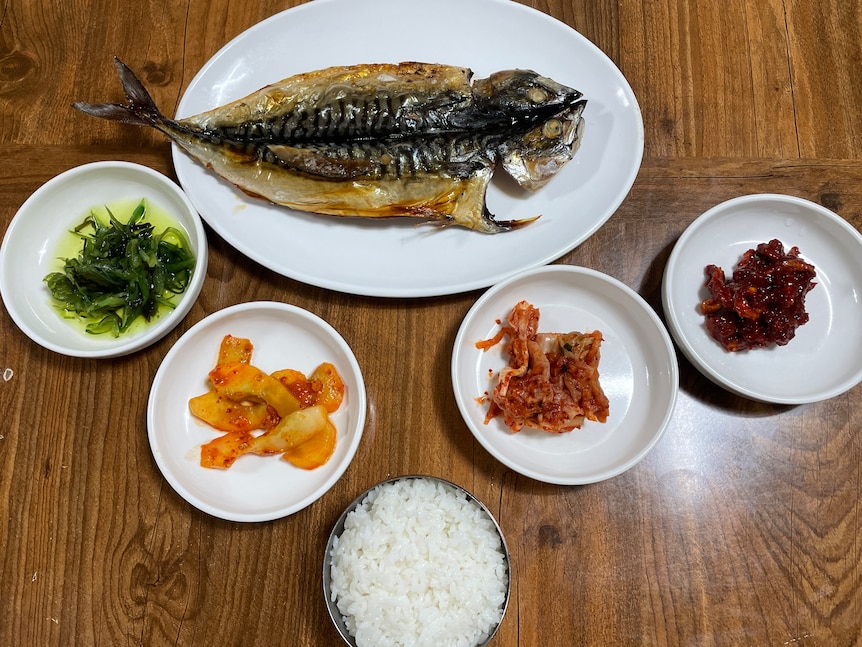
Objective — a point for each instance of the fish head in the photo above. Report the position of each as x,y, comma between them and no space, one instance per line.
536,156
523,96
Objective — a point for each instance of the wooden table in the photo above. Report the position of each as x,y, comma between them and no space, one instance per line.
742,527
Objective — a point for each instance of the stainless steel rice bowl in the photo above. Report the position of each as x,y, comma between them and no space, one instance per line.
404,505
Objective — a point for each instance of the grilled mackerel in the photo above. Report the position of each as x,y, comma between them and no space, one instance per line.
382,140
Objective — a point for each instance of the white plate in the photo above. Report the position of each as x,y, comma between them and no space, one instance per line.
398,258
32,242
254,488
824,359
638,372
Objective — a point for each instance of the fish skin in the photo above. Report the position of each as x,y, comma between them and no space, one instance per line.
384,100
377,141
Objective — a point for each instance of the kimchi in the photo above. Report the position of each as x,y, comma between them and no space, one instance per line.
551,381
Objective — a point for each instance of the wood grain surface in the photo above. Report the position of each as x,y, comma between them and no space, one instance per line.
742,527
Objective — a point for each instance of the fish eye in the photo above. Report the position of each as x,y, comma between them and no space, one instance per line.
537,95
552,128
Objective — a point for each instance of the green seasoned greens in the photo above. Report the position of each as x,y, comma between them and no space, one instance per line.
124,272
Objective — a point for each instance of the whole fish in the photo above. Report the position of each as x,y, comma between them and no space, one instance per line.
380,140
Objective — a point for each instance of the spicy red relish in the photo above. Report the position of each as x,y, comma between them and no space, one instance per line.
764,302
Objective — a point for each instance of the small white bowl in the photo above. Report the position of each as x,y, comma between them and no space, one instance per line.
30,250
638,373
824,359
255,488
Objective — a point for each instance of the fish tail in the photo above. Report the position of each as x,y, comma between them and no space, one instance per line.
141,109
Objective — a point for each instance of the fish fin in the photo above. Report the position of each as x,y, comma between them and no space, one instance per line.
489,225
493,225
429,213
313,163
436,213
141,109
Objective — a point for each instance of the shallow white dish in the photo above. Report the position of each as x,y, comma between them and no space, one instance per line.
398,258
638,372
824,359
30,251
254,488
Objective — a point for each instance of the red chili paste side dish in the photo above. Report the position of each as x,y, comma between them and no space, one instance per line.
764,302
552,380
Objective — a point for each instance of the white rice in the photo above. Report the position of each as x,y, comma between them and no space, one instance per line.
419,564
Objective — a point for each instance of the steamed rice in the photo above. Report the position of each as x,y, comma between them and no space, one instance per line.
419,563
